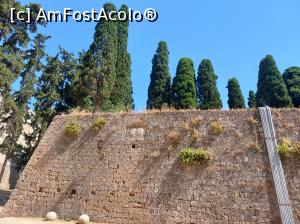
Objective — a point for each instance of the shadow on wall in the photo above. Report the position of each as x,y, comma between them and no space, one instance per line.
4,196
10,176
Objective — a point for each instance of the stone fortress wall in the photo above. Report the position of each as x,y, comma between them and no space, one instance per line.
126,173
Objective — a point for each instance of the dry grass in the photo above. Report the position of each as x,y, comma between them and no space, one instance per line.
217,128
189,125
186,126
297,148
252,121
261,186
173,138
238,134
196,135
82,112
79,112
138,124
196,122
256,147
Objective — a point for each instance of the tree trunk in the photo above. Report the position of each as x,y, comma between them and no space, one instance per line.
97,103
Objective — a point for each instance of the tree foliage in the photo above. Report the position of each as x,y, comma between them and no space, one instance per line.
235,96
207,90
121,96
184,85
104,57
160,84
291,78
271,89
252,99
17,60
53,95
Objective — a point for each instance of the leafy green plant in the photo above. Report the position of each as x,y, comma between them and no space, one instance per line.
72,129
285,148
190,156
217,128
99,123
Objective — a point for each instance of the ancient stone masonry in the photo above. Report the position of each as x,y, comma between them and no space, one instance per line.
128,173
287,125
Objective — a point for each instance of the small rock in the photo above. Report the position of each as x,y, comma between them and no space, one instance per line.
84,219
194,203
51,216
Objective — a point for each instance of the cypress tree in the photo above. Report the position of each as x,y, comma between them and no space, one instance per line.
83,87
207,90
291,78
121,97
184,85
160,84
104,56
271,89
252,99
235,96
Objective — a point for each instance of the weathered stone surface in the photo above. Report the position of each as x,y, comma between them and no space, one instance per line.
127,173
287,125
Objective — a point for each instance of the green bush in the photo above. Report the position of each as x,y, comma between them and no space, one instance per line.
99,123
72,129
190,156
285,148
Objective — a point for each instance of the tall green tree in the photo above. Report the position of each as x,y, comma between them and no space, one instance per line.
28,75
207,90
252,99
291,78
121,96
48,97
159,91
69,73
104,56
83,87
184,85
235,96
17,60
271,89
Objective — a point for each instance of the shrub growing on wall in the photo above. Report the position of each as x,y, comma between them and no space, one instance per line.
99,123
190,156
173,138
217,128
285,148
72,129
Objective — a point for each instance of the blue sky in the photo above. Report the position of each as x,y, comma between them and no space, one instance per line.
235,35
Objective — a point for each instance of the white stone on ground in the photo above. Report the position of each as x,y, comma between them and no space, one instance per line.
84,219
51,216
